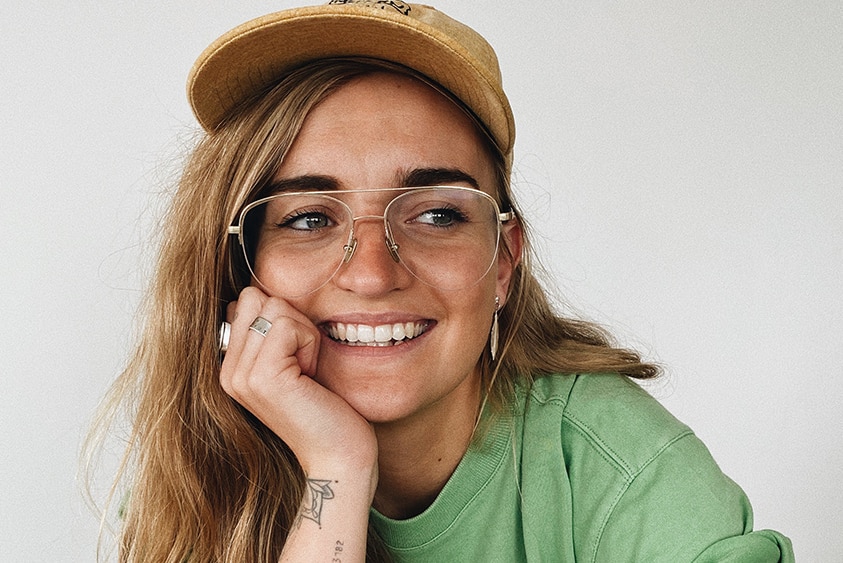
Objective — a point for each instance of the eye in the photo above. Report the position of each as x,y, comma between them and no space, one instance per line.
303,220
441,217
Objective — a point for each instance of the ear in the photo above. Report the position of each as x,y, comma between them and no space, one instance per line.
509,256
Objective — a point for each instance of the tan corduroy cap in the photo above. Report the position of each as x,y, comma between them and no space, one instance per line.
255,55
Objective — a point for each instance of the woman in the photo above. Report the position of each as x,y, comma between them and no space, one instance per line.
389,380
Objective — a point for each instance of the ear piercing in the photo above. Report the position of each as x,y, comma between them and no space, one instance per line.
493,338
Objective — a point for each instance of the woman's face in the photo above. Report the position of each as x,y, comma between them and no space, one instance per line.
380,131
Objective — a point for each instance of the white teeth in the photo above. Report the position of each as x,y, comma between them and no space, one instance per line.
383,333
398,332
351,333
365,333
380,334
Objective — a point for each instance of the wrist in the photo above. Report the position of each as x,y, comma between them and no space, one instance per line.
355,482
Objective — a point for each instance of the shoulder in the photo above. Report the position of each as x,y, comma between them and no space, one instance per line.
608,414
628,464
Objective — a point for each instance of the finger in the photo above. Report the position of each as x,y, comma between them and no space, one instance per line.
231,311
269,379
295,338
290,346
292,337
282,356
246,307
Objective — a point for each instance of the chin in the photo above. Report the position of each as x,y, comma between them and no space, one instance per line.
381,407
390,389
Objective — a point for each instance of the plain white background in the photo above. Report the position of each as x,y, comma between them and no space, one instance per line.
680,161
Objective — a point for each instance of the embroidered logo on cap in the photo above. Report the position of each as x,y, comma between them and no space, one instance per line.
400,7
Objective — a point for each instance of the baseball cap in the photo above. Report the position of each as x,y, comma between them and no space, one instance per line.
257,54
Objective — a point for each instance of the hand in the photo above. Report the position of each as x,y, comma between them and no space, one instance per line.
271,377
336,447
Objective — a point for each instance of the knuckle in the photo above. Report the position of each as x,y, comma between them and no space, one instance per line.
274,308
240,388
252,297
231,310
227,386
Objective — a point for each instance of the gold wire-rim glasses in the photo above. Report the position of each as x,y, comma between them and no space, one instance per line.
350,243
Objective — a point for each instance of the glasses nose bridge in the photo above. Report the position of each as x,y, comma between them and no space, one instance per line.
391,246
356,218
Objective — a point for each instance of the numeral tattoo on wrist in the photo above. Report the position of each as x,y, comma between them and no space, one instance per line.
337,555
316,493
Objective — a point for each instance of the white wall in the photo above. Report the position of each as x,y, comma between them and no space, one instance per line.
680,160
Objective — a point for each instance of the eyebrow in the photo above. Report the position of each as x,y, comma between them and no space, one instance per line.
305,183
410,179
437,176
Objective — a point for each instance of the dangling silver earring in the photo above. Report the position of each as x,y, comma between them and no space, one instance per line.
493,338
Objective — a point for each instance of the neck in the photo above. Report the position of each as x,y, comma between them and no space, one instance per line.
417,456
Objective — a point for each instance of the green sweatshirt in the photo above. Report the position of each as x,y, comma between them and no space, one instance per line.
586,468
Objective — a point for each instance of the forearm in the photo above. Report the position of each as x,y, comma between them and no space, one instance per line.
333,520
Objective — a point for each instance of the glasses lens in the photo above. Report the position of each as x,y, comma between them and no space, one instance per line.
294,242
446,236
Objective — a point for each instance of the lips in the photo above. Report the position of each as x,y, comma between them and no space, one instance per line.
378,335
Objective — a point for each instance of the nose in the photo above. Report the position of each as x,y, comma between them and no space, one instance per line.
372,268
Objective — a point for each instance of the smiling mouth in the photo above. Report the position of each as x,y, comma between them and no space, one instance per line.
380,335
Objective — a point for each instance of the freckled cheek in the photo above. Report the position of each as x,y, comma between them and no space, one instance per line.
474,317
479,330
307,305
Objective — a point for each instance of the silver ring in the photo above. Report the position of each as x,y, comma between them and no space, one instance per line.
261,326
225,334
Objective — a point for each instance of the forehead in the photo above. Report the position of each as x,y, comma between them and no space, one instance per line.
381,125
389,93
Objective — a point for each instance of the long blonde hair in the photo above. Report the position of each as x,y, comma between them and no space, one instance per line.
208,481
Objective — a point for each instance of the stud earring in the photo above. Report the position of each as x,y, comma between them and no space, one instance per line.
493,338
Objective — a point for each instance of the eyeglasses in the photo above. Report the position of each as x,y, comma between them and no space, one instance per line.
446,236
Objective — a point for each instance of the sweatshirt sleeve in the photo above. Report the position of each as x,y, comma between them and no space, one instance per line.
680,506
755,547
